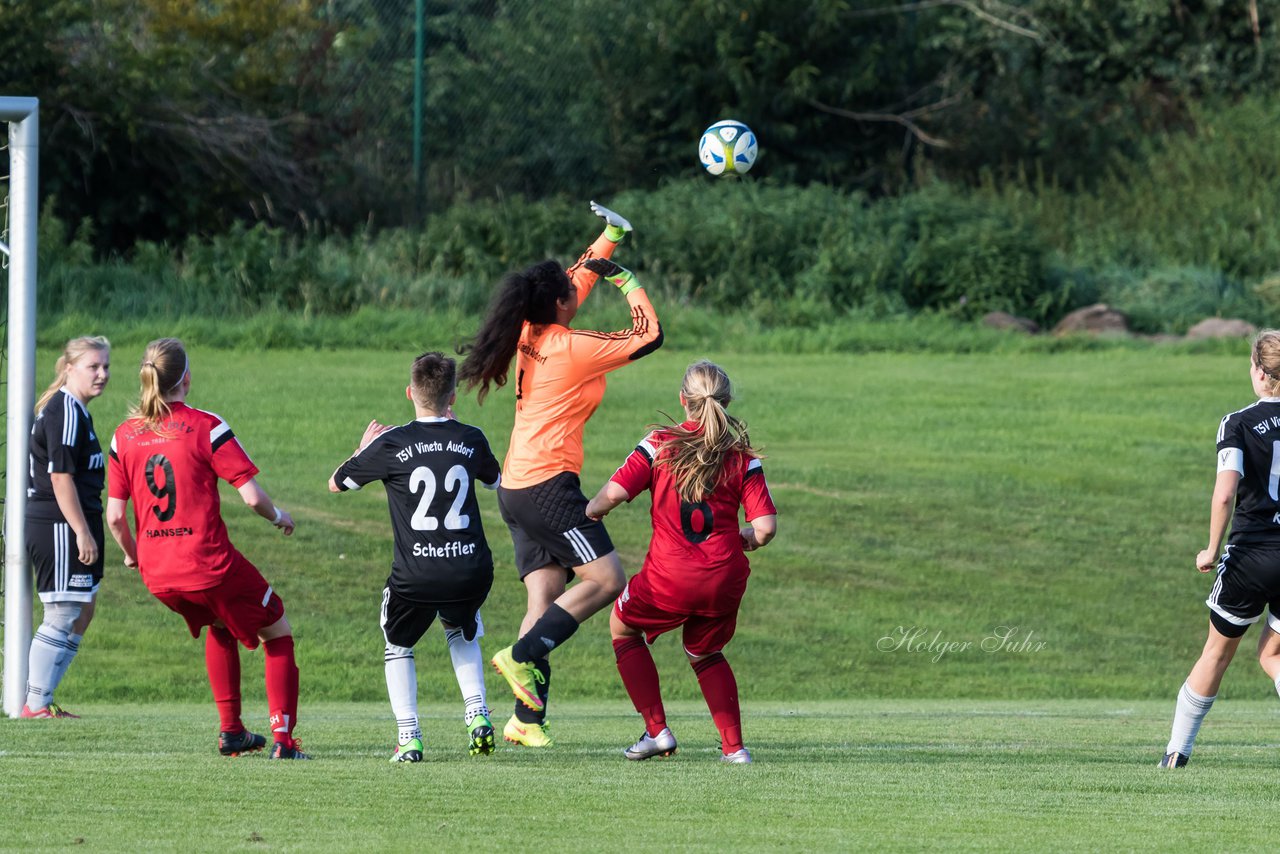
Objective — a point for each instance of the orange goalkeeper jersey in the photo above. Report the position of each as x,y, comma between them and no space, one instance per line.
560,380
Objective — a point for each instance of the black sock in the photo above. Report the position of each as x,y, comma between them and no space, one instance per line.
524,714
552,629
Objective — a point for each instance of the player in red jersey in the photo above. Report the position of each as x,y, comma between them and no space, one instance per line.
695,572
168,458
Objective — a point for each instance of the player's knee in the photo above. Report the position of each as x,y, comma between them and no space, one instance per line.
393,651
61,616
611,577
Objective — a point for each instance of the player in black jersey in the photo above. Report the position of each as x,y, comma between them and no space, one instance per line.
442,564
1246,495
64,516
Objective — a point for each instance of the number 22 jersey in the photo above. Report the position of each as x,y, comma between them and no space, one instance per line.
430,467
171,474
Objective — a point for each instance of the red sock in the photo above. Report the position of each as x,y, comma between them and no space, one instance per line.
640,678
720,689
222,660
282,687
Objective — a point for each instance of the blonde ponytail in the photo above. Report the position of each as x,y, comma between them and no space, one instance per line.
1266,355
164,366
71,354
695,457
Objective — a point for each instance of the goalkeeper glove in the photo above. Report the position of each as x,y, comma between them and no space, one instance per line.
616,227
622,278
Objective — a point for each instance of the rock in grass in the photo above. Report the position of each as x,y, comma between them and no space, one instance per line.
1096,319
1222,327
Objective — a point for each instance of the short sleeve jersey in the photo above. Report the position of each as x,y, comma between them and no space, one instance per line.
430,468
171,475
63,441
695,563
1249,443
560,380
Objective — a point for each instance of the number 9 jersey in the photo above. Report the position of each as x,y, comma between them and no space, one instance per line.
171,475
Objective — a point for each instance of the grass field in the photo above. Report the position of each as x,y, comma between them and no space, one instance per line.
958,497
887,775
968,633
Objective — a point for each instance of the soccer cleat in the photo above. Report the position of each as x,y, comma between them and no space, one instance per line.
530,735
738,757
235,743
53,710
649,746
522,676
481,732
410,751
1174,760
287,750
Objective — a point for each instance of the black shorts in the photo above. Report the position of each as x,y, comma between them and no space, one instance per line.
549,525
404,622
60,576
1248,581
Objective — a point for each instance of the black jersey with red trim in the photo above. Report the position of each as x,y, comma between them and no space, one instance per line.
1249,443
430,468
63,442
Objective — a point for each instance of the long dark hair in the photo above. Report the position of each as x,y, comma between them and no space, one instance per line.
528,295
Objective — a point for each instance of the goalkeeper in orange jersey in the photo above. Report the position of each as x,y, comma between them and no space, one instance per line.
560,380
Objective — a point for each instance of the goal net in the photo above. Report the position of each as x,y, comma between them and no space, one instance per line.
19,167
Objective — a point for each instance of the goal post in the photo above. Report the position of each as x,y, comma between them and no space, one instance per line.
18,254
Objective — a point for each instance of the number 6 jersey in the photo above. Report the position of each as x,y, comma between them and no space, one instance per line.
696,563
171,475
430,467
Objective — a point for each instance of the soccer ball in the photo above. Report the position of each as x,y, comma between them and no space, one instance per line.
727,148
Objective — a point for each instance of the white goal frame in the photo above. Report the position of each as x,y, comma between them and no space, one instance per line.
22,117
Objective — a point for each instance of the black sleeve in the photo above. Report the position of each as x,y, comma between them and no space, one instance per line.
487,467
363,467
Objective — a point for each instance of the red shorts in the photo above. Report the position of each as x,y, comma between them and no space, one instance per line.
243,602
702,635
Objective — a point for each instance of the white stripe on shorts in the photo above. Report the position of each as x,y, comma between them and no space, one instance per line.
266,598
61,556
1212,601
581,547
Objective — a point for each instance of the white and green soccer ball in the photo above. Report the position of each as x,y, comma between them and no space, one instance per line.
727,148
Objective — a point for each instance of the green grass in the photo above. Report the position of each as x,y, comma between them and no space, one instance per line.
852,775
929,496
1063,495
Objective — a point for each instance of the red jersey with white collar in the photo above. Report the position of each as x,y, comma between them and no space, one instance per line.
171,475
695,563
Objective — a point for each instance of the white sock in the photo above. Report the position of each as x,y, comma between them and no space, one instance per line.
47,647
64,660
402,689
468,666
1277,684
1187,717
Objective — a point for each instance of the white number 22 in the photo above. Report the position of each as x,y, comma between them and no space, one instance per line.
455,519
